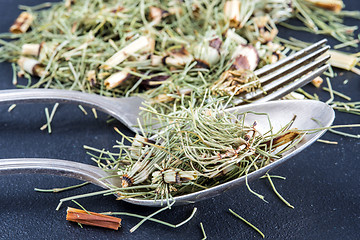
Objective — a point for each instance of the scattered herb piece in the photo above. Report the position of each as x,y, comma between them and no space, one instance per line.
133,229
154,219
55,190
92,218
248,223
12,106
337,93
22,23
327,141
94,112
49,118
276,192
203,231
83,109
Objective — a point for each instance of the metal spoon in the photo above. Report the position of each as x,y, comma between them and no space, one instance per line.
279,112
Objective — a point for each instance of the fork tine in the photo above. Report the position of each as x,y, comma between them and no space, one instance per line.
286,78
278,84
294,85
295,74
293,65
269,68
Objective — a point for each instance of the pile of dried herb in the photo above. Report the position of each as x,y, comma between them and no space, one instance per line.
167,49
194,149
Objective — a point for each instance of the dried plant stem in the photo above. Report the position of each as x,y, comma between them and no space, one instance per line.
203,231
14,81
83,208
327,141
83,109
337,93
247,222
92,218
153,219
276,192
115,190
55,190
12,106
49,118
330,91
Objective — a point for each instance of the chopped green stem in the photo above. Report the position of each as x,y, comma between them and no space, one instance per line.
81,206
247,222
55,190
203,231
12,106
83,109
153,219
330,91
158,211
276,192
337,93
327,141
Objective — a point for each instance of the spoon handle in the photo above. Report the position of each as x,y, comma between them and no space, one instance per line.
64,168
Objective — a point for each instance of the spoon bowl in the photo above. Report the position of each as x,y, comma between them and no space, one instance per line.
280,113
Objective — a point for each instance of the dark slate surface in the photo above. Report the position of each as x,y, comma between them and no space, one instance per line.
322,182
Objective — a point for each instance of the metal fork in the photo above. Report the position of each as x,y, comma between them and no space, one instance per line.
277,80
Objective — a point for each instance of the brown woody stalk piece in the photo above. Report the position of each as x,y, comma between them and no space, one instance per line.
92,218
284,138
22,23
317,81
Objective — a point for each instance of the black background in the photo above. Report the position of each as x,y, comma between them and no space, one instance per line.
322,182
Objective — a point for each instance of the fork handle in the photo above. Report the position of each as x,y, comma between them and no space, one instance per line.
58,167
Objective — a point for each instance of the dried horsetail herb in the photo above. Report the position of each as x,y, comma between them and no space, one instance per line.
247,222
203,231
12,106
150,218
196,148
49,118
